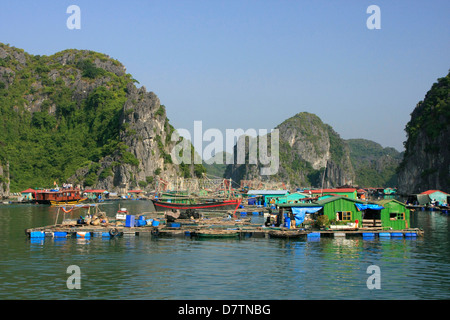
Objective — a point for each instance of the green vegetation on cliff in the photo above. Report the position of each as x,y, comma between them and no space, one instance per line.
47,133
426,161
64,112
374,165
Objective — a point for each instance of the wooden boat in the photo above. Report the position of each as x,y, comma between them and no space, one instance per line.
285,234
217,233
207,204
60,196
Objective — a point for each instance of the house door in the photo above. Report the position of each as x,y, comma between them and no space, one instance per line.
372,218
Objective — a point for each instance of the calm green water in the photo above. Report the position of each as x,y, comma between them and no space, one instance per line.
184,268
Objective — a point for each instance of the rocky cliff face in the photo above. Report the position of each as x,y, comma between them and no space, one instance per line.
310,153
78,117
374,165
426,163
4,180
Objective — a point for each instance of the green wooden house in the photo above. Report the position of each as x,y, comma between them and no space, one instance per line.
394,215
341,209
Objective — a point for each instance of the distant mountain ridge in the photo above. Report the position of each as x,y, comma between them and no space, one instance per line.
374,165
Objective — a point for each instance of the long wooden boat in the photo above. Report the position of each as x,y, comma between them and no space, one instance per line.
62,196
209,205
217,234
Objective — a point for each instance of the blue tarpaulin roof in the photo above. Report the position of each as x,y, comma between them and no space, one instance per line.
299,213
360,206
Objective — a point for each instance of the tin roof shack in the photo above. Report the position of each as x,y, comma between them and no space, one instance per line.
268,195
94,194
135,194
394,215
28,194
303,214
390,191
344,192
293,198
437,195
418,199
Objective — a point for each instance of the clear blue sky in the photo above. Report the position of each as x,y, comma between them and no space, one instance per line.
253,64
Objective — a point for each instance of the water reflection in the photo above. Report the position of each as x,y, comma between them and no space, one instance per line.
137,267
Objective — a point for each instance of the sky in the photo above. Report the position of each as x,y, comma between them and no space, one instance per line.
253,64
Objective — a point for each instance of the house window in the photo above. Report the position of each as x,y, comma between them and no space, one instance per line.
344,215
397,216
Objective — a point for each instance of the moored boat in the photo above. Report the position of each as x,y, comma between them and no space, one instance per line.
59,196
217,234
210,205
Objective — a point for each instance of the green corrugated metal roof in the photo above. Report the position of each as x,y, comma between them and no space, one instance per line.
334,198
385,201
319,203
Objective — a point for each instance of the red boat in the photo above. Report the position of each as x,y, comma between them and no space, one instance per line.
63,196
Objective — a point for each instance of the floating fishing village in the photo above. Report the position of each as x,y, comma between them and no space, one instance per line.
227,212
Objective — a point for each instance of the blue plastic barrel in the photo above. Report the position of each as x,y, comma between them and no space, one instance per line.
59,234
397,234
155,223
314,235
287,223
368,235
37,234
384,234
243,213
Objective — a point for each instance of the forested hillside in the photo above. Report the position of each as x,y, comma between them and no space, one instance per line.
77,115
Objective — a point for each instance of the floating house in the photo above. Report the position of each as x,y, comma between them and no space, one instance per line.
28,194
340,208
418,199
384,214
390,191
268,195
394,215
95,194
336,208
344,192
135,194
293,198
437,195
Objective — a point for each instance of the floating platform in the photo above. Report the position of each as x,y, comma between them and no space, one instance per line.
202,229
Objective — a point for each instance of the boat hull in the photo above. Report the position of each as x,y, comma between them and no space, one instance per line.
161,206
72,202
217,234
